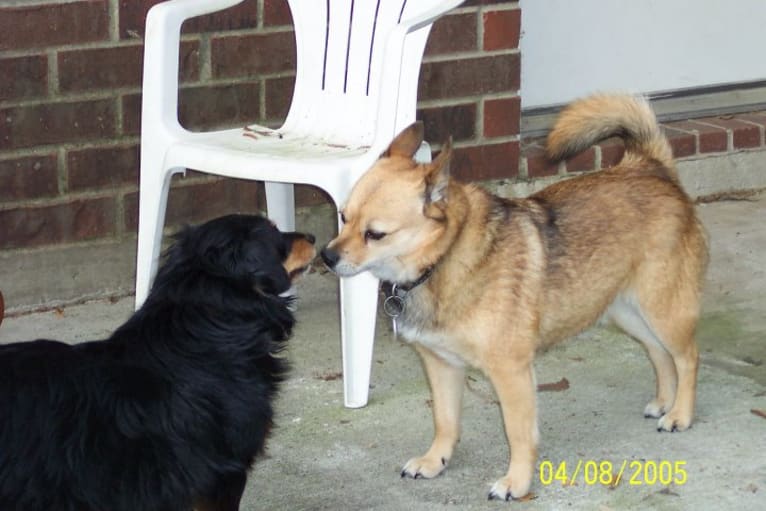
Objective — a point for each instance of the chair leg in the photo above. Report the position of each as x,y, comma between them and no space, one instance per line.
358,301
152,203
280,205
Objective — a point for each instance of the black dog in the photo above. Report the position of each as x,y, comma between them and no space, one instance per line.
171,410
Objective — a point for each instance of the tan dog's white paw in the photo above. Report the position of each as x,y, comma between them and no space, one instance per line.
505,489
656,408
426,467
674,421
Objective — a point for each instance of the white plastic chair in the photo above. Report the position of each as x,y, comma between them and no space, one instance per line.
355,89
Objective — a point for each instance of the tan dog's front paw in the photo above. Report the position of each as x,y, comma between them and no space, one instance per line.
507,489
674,421
425,466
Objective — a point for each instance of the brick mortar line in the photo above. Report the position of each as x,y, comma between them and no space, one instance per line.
205,60
120,42
47,150
240,32
464,55
259,12
103,241
119,118
458,100
60,98
117,193
113,14
461,144
52,74
523,167
480,29
90,45
119,216
689,131
16,4
59,200
126,90
262,100
598,157
62,170
479,127
240,79
729,134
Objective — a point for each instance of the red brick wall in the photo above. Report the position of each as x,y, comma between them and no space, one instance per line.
70,80
690,139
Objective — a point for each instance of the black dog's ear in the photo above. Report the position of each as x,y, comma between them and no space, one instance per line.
179,249
271,277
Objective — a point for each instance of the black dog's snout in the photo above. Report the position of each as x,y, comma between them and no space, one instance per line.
330,257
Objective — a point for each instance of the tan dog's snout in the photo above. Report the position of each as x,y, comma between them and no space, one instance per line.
330,257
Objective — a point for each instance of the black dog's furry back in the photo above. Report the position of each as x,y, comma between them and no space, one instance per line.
170,411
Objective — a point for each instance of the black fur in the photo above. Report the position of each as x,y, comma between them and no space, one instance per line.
171,410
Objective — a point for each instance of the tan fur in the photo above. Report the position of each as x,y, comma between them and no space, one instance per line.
302,252
511,276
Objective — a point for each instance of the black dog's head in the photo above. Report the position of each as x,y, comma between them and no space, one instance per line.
244,248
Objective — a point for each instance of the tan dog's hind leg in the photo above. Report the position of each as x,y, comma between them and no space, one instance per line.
667,381
447,383
677,334
668,292
514,384
627,314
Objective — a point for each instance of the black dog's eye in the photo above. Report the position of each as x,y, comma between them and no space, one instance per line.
374,235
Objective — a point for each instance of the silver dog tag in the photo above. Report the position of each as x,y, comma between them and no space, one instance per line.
393,306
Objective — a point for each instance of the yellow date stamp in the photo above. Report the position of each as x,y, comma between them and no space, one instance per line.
607,473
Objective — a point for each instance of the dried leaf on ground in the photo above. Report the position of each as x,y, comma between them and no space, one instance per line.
329,376
562,384
667,491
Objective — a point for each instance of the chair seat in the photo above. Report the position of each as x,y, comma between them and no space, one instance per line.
256,152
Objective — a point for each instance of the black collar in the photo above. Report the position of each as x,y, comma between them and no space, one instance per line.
415,283
402,289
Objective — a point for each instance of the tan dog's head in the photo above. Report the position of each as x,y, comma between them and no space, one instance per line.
395,215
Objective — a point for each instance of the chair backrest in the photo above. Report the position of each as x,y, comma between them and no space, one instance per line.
340,52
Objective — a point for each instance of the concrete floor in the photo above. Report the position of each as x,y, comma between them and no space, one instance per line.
323,456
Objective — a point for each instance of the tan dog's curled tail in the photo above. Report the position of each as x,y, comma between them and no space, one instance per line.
594,118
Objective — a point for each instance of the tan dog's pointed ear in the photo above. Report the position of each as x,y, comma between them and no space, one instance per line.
407,142
437,181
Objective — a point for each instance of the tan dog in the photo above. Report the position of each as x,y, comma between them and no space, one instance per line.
486,281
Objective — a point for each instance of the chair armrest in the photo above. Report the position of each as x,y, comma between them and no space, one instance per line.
415,22
190,8
391,73
162,41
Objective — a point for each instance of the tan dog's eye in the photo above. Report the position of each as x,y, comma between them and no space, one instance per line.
373,235
342,217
